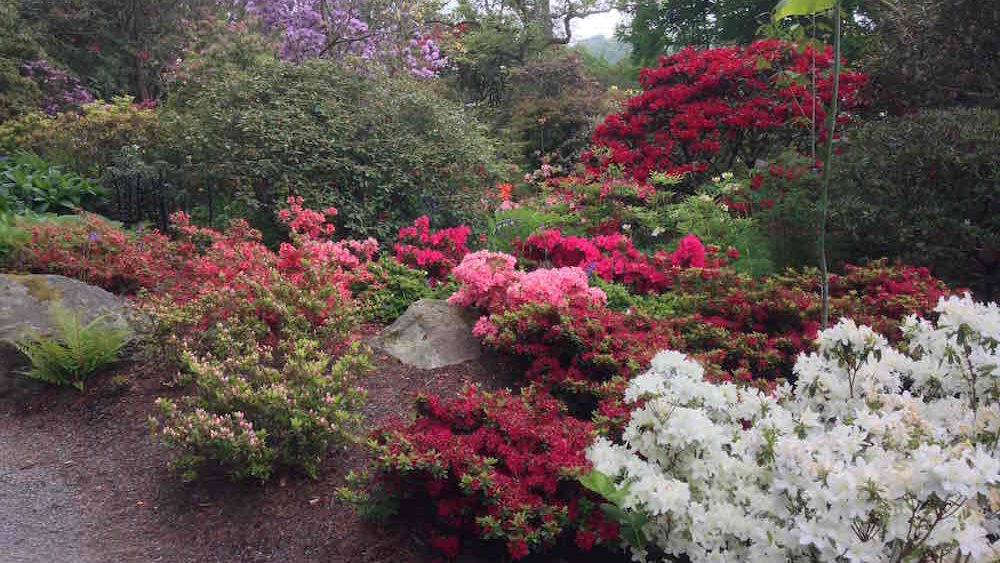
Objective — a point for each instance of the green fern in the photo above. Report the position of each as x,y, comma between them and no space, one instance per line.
74,351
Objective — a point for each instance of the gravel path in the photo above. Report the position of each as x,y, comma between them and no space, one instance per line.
40,519
83,481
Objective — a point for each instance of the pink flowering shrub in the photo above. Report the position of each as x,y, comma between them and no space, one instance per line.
489,281
258,408
435,252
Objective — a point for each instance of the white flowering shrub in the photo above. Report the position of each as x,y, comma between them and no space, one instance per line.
875,454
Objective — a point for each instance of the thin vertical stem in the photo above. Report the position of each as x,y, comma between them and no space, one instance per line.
828,164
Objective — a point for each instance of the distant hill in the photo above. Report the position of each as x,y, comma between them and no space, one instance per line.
606,48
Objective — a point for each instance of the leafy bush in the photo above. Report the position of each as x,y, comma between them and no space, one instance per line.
387,288
383,150
553,108
18,94
935,55
75,351
703,111
260,407
86,141
720,472
29,183
934,178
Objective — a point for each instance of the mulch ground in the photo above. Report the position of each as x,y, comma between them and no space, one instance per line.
82,480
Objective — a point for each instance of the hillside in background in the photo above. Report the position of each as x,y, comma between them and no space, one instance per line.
606,48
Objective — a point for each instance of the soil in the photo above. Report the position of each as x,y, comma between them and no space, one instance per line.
82,480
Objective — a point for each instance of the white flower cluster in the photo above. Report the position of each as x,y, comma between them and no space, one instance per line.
875,454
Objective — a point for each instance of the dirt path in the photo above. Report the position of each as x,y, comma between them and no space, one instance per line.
82,481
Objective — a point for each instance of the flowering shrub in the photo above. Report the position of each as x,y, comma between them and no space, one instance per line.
493,465
435,252
260,407
96,251
61,90
701,109
876,454
490,282
614,259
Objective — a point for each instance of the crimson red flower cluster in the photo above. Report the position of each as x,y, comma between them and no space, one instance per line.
613,258
496,466
701,109
435,252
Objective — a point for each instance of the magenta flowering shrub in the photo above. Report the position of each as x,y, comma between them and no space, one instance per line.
61,90
613,258
496,466
435,252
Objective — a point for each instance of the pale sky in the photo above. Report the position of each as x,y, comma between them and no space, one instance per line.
597,24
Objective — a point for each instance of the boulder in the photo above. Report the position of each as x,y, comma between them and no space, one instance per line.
25,305
431,334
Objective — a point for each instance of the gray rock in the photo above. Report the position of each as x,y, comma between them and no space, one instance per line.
431,334
25,305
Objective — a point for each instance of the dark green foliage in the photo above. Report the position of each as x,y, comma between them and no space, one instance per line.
382,150
925,189
552,108
18,94
76,350
391,287
116,46
930,53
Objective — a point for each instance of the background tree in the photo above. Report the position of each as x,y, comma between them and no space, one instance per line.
115,46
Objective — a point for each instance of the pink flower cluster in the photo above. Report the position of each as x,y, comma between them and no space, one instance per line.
490,282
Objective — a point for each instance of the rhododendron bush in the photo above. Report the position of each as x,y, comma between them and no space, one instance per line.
701,110
875,454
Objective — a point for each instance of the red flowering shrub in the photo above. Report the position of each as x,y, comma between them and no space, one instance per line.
701,109
496,466
95,251
613,258
435,252
747,330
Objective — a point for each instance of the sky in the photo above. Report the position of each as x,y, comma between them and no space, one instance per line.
597,24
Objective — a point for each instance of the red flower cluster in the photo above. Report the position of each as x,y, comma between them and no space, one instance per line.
702,108
613,258
435,252
95,251
495,465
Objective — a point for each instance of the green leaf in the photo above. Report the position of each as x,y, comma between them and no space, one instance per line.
787,8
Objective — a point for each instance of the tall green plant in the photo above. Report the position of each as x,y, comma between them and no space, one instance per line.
784,9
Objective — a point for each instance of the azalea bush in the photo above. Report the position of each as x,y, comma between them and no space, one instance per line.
495,466
436,252
259,408
876,454
702,110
